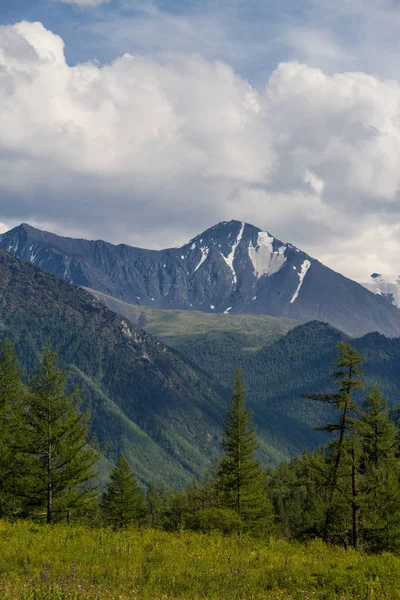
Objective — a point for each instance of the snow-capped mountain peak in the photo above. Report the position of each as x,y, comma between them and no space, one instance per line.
387,286
232,268
233,240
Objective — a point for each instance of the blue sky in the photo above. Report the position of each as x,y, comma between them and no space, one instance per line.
284,114
252,36
217,30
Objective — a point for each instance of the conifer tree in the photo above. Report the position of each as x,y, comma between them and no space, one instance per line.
380,474
347,377
123,502
62,462
240,480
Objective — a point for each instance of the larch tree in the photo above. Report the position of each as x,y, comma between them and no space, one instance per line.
240,479
343,450
63,464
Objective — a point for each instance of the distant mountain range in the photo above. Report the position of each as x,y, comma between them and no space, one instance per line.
386,286
232,268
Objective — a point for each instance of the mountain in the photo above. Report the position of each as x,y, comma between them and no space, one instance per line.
276,376
231,268
386,286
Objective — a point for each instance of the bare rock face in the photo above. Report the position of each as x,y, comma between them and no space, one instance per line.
232,267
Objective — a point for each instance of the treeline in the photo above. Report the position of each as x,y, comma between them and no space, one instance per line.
347,492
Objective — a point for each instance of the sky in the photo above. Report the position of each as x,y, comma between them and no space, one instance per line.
147,121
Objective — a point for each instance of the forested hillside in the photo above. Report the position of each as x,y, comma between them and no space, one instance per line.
276,376
144,399
280,358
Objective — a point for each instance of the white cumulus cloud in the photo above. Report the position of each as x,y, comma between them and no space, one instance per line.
151,150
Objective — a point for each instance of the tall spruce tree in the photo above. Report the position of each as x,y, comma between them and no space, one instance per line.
347,377
12,431
63,464
123,503
379,474
240,479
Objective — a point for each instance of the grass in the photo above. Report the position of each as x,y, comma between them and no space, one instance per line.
74,563
175,326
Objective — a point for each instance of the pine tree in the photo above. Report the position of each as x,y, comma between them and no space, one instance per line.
240,480
63,463
347,377
123,502
12,431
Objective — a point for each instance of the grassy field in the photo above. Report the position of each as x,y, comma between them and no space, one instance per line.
175,326
73,563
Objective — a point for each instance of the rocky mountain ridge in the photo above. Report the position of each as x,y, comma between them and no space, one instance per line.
231,268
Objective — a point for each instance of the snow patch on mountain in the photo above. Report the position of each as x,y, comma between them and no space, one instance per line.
303,272
231,256
13,249
204,254
265,260
33,253
386,286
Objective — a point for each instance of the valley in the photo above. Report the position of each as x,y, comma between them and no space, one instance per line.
199,300
158,387
162,399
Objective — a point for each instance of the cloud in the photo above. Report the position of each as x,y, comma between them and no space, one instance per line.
149,150
347,35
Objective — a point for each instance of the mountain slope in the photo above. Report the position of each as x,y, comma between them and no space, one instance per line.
231,268
174,327
146,400
299,363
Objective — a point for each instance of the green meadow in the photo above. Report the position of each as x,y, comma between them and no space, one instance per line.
175,327
62,562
